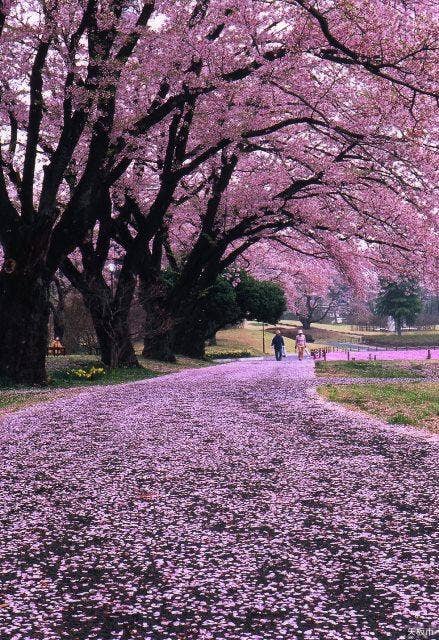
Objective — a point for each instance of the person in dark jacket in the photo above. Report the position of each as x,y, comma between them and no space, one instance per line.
278,344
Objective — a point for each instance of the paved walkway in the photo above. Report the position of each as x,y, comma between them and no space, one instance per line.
227,503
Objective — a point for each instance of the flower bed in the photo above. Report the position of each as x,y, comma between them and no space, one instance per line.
391,354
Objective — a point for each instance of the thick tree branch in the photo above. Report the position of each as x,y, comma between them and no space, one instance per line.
33,129
354,57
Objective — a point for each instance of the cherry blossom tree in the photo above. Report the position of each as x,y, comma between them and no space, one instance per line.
82,85
325,113
235,211
63,63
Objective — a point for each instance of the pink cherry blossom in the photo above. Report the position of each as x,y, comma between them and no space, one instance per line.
390,354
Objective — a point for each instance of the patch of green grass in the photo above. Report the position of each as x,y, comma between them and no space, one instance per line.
219,352
15,400
400,418
247,337
409,339
10,401
76,360
338,328
65,378
367,369
415,403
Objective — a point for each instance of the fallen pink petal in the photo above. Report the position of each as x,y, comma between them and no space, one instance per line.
276,515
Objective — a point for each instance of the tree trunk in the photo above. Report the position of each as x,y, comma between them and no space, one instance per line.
58,323
191,335
306,323
110,318
113,334
191,341
57,306
158,344
109,313
24,317
158,340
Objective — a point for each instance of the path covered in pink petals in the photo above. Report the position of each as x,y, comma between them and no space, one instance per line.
226,503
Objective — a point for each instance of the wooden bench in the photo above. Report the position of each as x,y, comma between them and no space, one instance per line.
56,351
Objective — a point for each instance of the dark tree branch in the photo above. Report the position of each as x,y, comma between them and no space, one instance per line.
132,39
354,57
33,129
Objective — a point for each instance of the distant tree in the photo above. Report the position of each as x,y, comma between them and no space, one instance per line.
79,335
260,300
316,308
58,291
429,317
399,300
213,309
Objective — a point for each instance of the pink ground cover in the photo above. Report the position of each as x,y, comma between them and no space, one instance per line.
228,503
394,354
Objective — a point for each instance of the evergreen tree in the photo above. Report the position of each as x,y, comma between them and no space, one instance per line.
260,300
400,300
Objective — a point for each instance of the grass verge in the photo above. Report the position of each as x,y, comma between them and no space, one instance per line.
409,339
247,337
370,369
415,403
63,378
14,400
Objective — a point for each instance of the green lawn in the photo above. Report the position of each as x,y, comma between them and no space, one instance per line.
409,339
63,378
340,328
247,337
10,400
344,332
72,372
370,369
415,403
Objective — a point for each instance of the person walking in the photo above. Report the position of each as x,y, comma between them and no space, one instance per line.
300,344
278,345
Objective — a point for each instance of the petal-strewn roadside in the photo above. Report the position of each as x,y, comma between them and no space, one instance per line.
222,503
